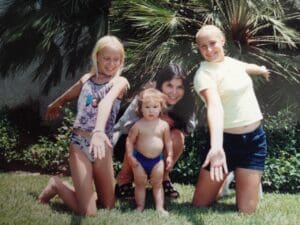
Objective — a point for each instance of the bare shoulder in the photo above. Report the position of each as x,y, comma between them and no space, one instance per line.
122,81
164,124
86,77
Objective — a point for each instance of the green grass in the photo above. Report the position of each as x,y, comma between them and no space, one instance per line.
18,193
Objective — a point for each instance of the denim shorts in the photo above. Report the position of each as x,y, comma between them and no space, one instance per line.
246,151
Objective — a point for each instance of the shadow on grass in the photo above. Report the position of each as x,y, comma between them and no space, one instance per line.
194,214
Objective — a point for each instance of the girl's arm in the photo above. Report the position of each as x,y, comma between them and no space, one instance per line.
254,69
168,146
130,141
215,116
99,137
73,92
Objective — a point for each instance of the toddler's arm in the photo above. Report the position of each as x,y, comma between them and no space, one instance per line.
130,141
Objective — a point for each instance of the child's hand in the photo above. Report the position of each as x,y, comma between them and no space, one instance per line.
132,161
265,73
99,141
169,163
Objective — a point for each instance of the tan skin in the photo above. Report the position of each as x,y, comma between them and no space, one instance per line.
81,198
174,92
210,42
148,136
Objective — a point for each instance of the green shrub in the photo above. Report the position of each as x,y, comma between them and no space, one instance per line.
283,161
51,155
9,138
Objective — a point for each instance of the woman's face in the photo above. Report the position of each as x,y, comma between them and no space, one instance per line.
174,90
211,46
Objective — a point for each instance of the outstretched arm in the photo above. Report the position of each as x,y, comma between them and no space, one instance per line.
254,69
216,155
99,138
54,107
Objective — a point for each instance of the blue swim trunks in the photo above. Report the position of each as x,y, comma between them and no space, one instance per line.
147,163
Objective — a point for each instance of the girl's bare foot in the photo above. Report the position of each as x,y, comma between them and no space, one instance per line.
139,209
163,212
48,192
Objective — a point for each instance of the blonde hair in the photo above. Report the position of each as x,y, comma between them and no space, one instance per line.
154,95
107,41
209,29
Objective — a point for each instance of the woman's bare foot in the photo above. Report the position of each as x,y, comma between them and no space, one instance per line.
48,192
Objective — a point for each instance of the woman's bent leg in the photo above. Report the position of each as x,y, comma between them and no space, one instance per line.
206,190
104,179
247,189
125,175
178,144
81,172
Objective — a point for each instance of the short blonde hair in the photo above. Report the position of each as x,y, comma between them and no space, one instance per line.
208,29
107,41
154,95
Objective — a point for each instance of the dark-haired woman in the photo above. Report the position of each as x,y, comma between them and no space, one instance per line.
172,81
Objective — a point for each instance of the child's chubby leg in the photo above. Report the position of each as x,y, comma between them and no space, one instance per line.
140,180
156,180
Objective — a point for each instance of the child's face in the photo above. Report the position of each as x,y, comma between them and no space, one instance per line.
151,109
210,44
109,61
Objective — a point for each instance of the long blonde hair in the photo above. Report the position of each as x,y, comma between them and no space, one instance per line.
107,41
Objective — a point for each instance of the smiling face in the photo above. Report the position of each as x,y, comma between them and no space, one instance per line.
109,61
174,90
210,42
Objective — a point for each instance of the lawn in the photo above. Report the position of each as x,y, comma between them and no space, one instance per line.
18,193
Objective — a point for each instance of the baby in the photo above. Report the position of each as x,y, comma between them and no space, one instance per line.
145,143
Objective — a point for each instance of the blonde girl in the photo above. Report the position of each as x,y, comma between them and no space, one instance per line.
90,152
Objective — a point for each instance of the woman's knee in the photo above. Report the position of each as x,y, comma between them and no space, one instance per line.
88,212
178,141
247,207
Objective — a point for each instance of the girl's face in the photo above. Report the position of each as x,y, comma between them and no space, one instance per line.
211,46
109,61
151,109
174,90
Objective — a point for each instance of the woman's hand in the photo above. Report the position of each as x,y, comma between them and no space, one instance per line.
98,144
265,73
218,166
53,111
